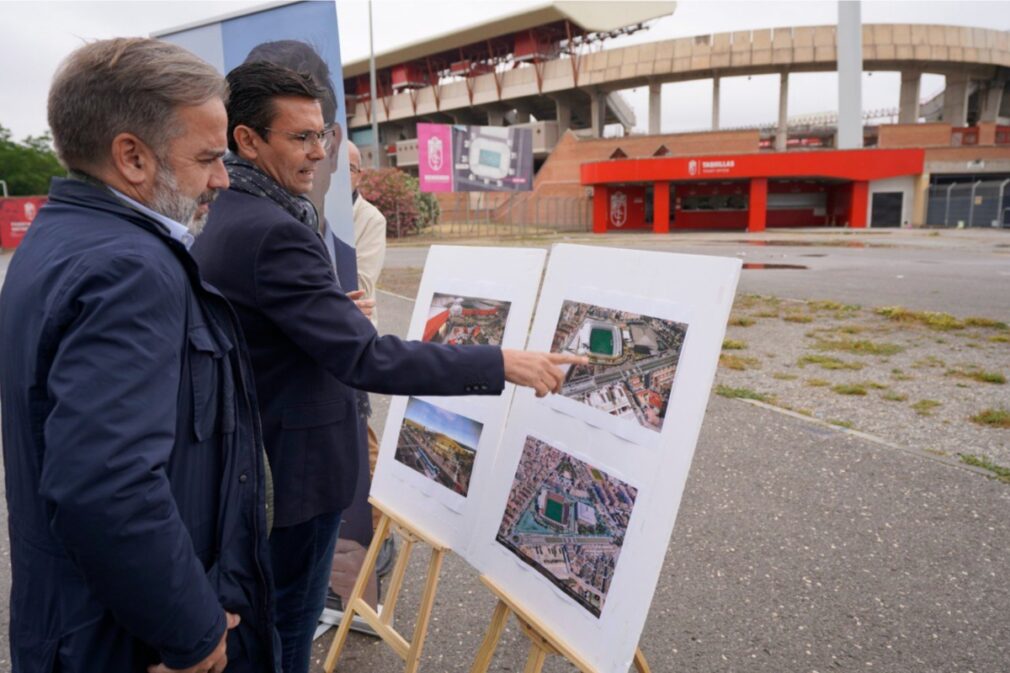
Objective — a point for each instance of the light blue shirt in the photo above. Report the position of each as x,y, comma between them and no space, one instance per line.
176,230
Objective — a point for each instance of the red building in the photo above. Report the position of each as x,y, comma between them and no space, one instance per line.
751,191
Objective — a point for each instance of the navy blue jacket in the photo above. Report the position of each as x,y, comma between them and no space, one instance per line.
133,455
311,346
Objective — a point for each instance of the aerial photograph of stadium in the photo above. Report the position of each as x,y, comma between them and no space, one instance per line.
632,360
462,321
439,444
567,520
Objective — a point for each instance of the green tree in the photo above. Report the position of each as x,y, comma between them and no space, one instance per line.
397,196
28,166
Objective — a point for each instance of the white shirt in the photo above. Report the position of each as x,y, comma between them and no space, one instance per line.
176,230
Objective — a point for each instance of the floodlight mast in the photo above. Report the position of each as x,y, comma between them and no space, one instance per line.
4,184
371,75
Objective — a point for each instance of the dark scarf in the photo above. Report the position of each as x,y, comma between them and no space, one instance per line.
248,178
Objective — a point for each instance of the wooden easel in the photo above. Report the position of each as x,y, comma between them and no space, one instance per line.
543,642
410,651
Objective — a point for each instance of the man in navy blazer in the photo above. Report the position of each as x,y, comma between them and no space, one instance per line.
309,343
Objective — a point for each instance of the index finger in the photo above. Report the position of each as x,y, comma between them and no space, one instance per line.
356,294
567,359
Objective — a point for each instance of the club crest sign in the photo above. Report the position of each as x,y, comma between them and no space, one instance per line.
618,209
435,153
692,167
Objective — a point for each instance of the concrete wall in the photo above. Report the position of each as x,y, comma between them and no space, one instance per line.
904,184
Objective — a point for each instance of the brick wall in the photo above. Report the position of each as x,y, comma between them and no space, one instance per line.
913,135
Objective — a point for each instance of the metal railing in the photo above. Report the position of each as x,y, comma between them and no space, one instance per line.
982,203
516,215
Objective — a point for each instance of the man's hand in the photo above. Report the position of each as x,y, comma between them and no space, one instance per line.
364,305
215,662
538,370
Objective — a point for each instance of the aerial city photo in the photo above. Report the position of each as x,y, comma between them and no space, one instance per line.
462,321
632,360
439,444
567,520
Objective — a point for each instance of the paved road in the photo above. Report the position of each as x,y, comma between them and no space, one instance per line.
798,547
963,272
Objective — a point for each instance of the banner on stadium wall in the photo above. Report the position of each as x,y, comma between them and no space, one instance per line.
16,215
454,158
302,36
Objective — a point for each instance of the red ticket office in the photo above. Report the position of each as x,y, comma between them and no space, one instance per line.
746,191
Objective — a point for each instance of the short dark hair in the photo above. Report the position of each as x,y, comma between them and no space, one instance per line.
300,57
254,86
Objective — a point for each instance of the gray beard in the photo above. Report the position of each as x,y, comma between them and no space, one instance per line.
169,202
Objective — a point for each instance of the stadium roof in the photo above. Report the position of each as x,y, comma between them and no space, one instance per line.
592,17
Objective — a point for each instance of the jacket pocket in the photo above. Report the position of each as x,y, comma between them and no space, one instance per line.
204,363
313,415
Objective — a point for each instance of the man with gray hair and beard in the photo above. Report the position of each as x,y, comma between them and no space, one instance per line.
134,461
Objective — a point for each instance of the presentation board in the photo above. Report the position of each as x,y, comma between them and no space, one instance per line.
455,158
576,522
437,454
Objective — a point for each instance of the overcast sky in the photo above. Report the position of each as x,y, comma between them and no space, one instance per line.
36,35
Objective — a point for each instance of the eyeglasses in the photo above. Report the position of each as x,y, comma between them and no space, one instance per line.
310,138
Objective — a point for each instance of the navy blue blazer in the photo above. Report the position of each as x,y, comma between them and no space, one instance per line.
132,453
311,346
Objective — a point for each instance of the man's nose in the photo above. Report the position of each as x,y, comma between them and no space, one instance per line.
219,176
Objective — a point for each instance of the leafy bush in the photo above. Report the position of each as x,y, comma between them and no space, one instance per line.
29,165
398,196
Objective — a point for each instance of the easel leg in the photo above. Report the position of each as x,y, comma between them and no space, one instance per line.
396,583
641,665
367,568
424,615
485,652
535,660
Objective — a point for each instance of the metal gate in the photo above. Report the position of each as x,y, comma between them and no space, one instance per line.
983,203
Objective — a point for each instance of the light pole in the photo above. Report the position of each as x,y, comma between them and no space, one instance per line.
371,74
4,183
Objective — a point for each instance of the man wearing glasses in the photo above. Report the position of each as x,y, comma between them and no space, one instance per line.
308,342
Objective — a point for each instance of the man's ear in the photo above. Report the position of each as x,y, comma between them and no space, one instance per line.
132,159
246,142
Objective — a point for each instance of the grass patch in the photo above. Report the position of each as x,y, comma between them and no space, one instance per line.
733,345
766,314
818,383
892,396
925,407
738,362
784,376
798,317
829,305
942,322
749,301
1000,472
899,375
928,362
841,423
1000,338
994,418
741,321
743,394
988,323
828,362
978,374
849,389
858,346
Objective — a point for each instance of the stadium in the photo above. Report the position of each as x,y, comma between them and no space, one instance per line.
943,160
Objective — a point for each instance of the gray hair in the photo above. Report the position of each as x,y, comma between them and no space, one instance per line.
125,85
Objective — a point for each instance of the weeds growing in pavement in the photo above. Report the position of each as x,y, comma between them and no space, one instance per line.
828,362
1000,472
738,362
743,394
733,345
858,346
925,407
994,418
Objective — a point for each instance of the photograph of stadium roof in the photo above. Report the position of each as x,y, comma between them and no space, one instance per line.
632,360
438,444
567,519
462,321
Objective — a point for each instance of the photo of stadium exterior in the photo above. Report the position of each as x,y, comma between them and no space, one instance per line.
567,519
462,321
939,161
632,361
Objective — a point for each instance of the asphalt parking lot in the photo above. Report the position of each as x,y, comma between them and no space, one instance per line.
798,547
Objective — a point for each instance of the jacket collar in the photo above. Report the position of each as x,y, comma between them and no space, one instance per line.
83,191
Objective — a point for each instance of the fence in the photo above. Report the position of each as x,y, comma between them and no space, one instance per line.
516,215
969,204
